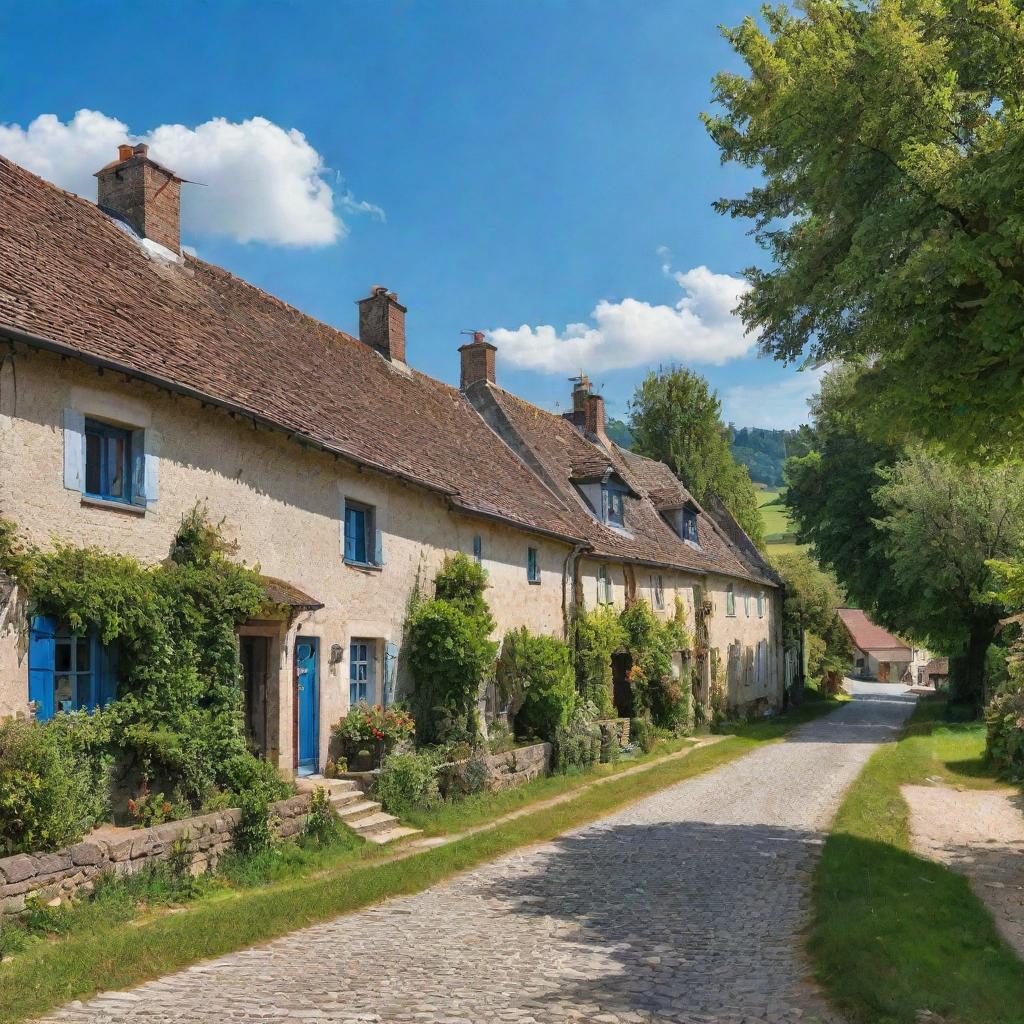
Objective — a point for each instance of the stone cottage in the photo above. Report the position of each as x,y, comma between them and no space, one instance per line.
877,654
136,380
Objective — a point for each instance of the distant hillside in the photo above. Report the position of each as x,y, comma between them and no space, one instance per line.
764,452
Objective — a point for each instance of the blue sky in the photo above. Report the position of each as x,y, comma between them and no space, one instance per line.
512,167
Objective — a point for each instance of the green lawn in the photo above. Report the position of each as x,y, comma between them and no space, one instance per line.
778,528
895,934
113,954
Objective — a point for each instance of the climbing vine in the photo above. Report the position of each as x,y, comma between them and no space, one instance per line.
652,644
177,723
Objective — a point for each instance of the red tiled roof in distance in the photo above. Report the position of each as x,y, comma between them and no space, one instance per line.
867,636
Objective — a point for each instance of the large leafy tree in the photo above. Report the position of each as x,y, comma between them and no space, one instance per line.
676,418
942,524
908,533
890,139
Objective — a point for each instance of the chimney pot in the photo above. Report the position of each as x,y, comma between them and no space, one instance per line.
478,362
142,194
382,323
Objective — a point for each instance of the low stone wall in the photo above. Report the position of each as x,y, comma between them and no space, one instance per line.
59,875
516,767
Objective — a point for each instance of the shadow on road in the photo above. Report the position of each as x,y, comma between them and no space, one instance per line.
679,919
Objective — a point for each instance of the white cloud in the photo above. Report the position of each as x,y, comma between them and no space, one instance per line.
260,182
779,406
699,328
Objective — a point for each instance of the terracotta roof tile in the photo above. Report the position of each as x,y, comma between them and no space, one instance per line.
866,635
69,274
561,449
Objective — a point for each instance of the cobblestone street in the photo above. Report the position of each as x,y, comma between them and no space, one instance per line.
687,906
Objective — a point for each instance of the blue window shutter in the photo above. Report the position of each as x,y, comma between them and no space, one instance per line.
74,450
151,444
390,671
478,548
378,547
138,441
40,664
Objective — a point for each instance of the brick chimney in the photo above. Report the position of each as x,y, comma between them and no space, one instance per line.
382,323
142,193
477,361
593,417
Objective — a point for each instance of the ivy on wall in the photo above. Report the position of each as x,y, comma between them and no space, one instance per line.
177,722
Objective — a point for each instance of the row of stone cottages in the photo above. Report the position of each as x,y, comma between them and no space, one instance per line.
136,379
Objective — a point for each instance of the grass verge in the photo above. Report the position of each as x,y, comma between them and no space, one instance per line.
118,956
895,934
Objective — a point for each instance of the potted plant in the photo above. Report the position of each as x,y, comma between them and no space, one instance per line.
368,733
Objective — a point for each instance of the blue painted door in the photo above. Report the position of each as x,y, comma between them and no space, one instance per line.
307,704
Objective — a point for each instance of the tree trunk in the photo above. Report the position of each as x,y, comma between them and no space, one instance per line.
969,685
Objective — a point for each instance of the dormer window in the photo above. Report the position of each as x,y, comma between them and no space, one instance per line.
689,525
613,505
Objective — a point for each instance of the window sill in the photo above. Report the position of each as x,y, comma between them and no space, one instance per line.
364,566
114,506
534,583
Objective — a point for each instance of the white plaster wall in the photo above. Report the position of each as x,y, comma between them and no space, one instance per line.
280,503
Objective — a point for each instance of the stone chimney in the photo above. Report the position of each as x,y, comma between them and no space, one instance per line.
382,323
477,361
143,194
593,417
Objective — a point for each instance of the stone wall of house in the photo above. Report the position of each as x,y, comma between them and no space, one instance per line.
281,504
742,631
60,875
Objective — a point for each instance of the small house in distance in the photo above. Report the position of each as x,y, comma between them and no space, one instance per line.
877,654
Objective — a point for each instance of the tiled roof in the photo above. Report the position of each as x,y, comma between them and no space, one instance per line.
560,449
866,635
70,275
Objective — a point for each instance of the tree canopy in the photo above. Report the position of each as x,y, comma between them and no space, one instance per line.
889,139
907,532
676,418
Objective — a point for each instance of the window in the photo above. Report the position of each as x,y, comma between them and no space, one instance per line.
760,604
613,505
746,605
67,671
605,591
478,549
658,589
108,462
363,543
532,572
730,601
360,679
690,525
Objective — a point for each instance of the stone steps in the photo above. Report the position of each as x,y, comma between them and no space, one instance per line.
365,817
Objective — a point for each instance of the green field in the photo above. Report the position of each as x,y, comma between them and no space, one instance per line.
779,532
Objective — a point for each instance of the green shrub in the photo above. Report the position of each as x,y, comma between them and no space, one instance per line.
256,783
322,826
535,674
642,733
577,745
652,644
451,655
177,722
599,635
407,781
54,781
1004,718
